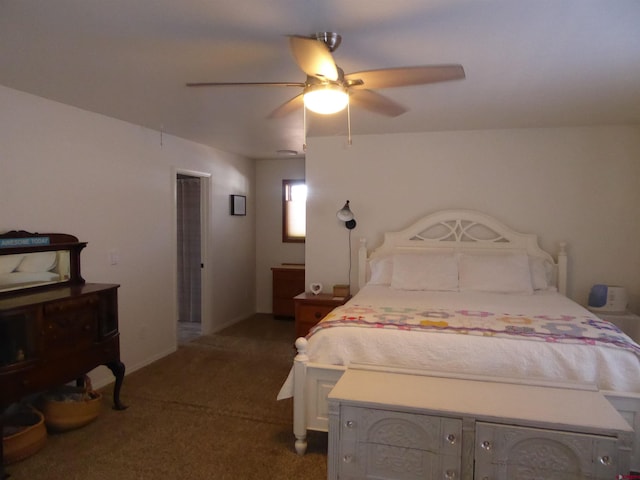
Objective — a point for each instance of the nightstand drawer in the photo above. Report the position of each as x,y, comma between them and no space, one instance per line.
313,313
308,315
310,309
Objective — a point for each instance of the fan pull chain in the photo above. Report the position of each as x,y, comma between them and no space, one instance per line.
349,124
304,128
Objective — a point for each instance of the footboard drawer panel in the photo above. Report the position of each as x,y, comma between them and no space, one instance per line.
385,444
511,453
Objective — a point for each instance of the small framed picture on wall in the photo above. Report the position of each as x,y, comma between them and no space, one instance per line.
238,205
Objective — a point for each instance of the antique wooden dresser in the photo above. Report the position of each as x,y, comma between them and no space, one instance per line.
54,327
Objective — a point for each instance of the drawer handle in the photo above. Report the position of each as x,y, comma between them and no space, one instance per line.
450,474
605,460
486,445
349,424
318,315
451,438
347,458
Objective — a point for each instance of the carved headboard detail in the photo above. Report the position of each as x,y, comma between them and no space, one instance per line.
462,231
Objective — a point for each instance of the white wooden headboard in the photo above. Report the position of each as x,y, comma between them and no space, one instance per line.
462,231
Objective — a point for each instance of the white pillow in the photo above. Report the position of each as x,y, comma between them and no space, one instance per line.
541,273
8,263
381,270
38,262
425,271
499,273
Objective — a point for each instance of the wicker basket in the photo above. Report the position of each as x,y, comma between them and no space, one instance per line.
26,434
68,408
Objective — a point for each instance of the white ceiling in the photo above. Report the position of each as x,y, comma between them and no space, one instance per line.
529,63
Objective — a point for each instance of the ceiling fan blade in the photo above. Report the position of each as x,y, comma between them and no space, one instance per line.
406,76
245,84
313,57
288,107
376,103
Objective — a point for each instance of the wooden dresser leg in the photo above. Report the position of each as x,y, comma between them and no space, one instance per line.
3,474
118,369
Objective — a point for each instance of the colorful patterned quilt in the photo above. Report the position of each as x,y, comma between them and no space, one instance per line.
587,329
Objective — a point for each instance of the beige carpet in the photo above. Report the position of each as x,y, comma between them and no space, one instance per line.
208,411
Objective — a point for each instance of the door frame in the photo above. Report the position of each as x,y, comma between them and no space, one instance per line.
205,208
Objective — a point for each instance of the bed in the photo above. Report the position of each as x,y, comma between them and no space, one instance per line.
458,292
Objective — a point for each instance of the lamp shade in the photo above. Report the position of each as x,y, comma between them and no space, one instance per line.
325,99
346,215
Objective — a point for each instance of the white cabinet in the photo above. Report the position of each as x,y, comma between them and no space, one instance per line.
409,426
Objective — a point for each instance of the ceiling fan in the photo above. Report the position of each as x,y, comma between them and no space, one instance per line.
328,89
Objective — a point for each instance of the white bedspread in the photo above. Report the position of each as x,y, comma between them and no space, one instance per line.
607,367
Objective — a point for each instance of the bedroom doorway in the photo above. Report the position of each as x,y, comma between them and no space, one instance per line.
190,225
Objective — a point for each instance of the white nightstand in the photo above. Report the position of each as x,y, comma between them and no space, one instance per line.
628,322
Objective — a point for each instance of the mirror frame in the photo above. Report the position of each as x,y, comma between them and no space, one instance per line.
27,242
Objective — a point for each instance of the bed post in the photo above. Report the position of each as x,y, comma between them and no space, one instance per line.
362,263
299,401
562,268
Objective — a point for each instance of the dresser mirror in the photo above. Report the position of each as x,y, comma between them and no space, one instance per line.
38,260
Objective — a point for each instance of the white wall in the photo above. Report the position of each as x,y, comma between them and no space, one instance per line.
270,250
112,184
579,185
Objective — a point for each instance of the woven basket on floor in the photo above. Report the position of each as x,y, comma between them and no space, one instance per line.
29,437
68,408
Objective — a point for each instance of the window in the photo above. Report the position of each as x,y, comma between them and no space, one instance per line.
294,210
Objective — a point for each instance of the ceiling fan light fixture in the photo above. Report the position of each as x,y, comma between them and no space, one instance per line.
326,98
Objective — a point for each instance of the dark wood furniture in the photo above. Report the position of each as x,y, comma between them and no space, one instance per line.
288,281
310,309
55,333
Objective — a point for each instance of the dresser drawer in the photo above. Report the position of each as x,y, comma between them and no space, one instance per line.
287,283
70,325
72,304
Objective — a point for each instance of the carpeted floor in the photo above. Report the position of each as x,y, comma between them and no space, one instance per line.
208,411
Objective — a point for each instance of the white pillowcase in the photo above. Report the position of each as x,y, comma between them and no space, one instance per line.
381,270
8,263
541,273
425,271
38,262
498,273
